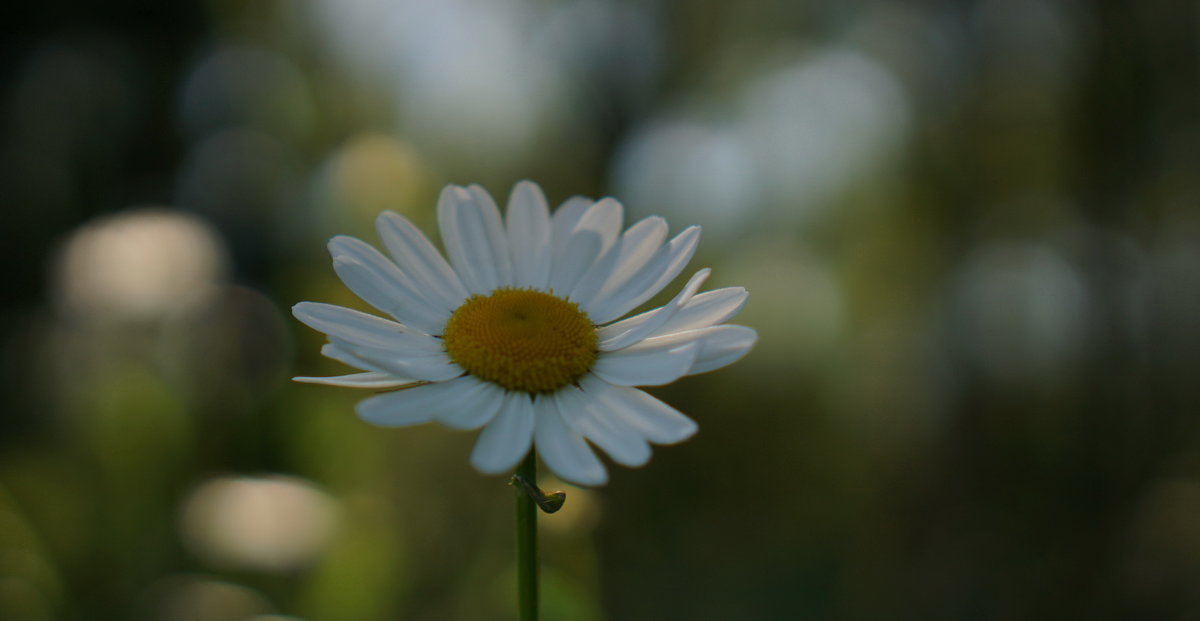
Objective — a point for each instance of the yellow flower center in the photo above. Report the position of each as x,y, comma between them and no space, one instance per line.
522,340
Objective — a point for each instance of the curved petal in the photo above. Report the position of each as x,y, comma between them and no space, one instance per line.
345,356
473,238
562,449
605,218
419,259
586,415
657,421
359,328
487,400
642,366
564,220
420,404
373,380
592,236
507,438
589,284
657,317
378,281
428,365
666,264
495,232
528,222
704,310
631,252
723,346
581,253
718,345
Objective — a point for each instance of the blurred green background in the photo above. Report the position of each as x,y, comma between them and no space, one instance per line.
970,231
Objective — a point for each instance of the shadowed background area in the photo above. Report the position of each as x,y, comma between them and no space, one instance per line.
970,232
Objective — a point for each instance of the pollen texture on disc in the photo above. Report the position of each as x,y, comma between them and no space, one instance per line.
522,340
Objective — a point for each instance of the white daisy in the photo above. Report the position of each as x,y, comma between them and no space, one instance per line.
518,333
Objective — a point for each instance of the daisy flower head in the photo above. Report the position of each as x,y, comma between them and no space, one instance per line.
520,332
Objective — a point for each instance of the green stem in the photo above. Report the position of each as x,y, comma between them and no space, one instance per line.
527,556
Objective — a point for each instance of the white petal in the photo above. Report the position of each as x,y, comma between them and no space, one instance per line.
631,252
605,218
657,421
561,448
564,220
528,222
401,343
705,309
416,405
668,261
419,259
719,345
506,439
378,281
589,284
428,365
657,317
345,356
485,399
368,379
473,238
566,269
495,231
361,329
723,346
641,366
594,233
586,415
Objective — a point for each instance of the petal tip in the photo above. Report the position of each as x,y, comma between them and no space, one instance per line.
338,240
488,469
386,218
685,429
362,410
453,194
748,333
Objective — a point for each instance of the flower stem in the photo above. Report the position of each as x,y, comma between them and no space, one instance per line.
527,555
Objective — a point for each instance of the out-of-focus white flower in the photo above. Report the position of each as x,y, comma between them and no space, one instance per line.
273,523
139,264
